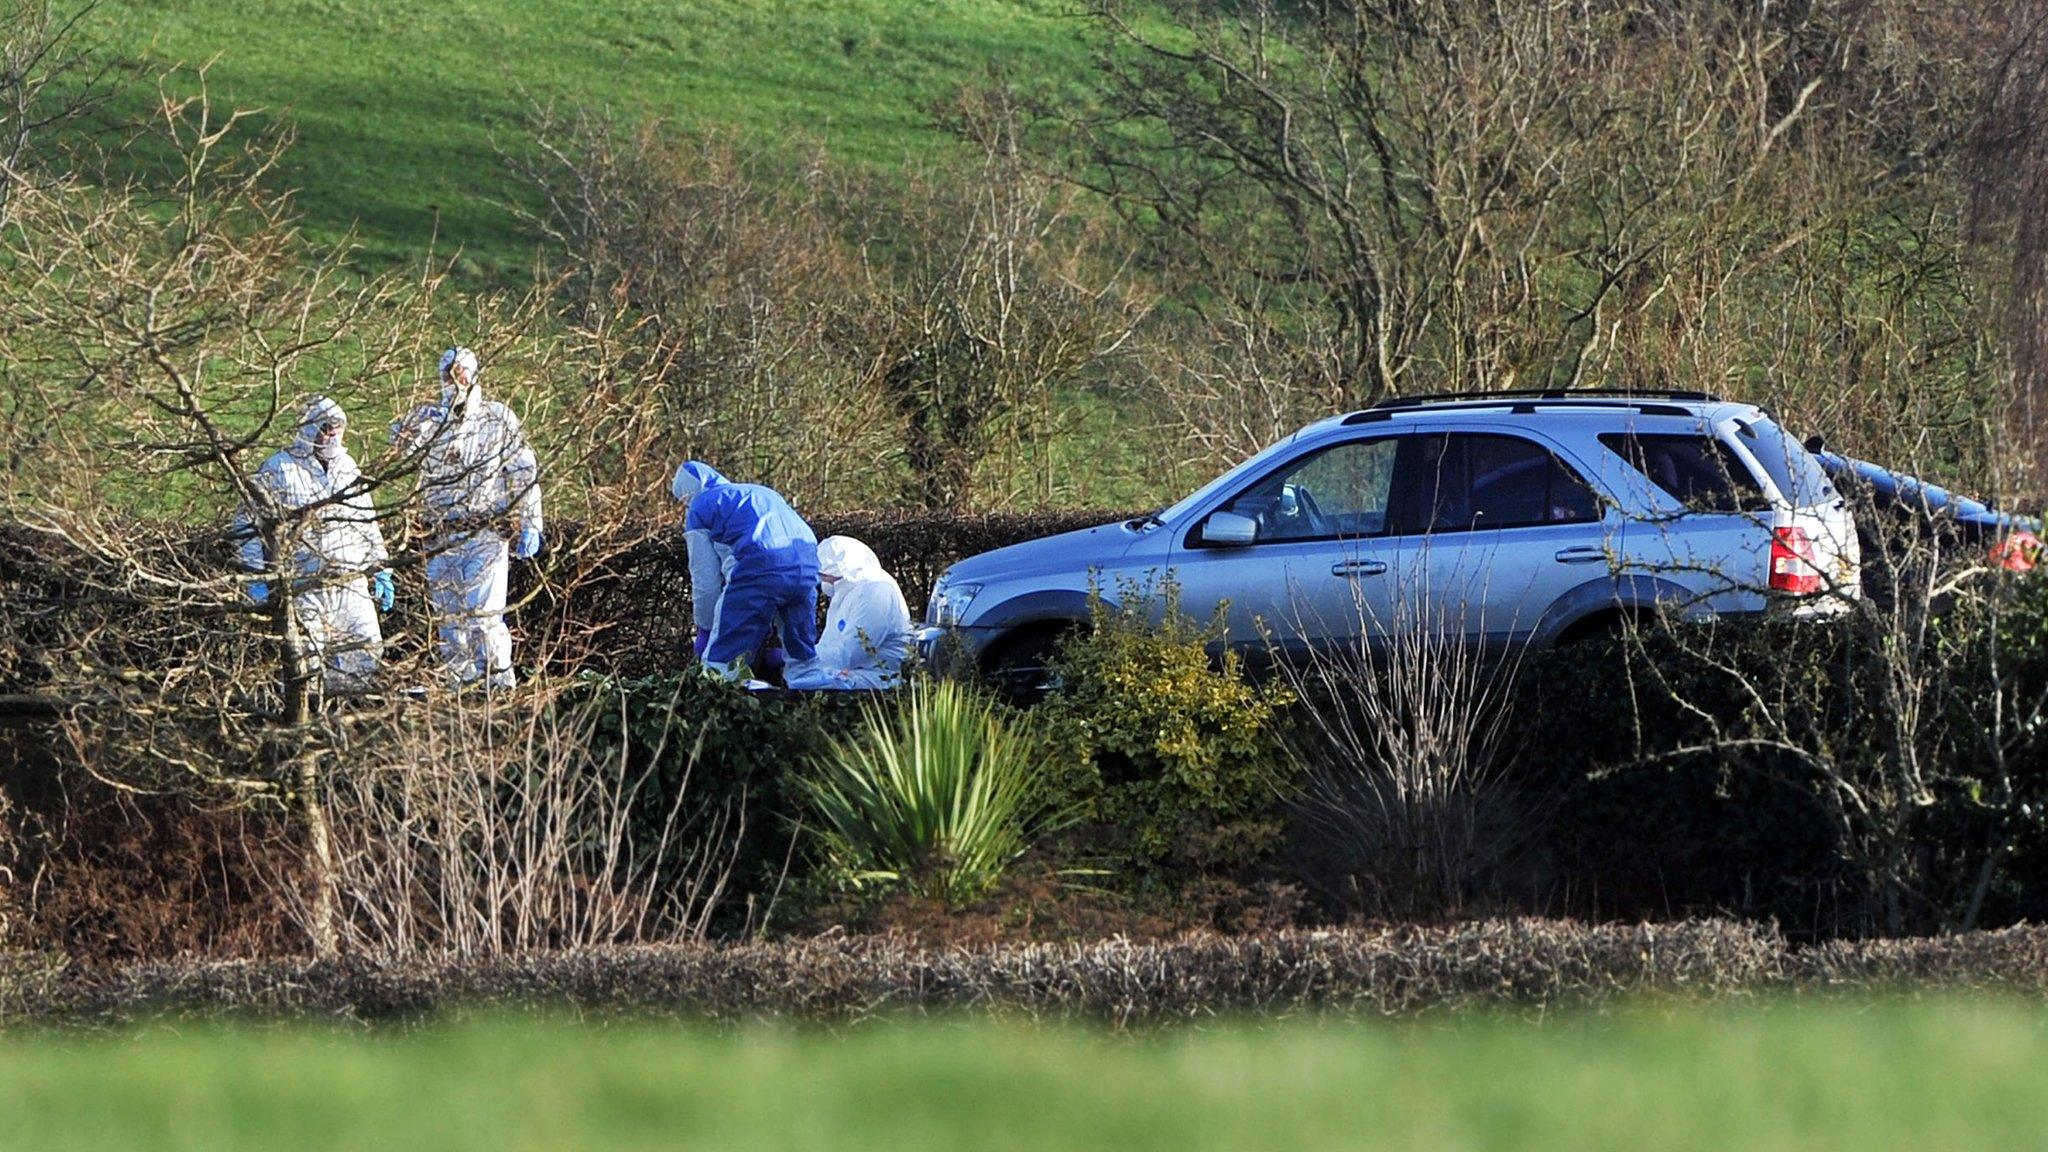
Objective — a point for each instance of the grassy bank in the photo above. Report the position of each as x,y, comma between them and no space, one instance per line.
396,104
1849,1075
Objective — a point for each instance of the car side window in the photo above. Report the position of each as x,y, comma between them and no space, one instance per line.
1698,471
1339,492
1461,482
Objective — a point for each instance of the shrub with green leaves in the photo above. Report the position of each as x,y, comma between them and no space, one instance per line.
937,795
1173,756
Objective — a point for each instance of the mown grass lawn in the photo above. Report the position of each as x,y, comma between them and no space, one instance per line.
1838,1075
396,104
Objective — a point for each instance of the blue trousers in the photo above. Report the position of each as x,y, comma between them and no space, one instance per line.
753,607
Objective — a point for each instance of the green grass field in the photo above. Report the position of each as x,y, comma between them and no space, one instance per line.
396,103
1841,1075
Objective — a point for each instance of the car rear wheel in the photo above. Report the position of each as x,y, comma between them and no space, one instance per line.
1599,626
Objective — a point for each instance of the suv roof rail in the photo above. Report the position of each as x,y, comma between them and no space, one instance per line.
1651,402
1546,394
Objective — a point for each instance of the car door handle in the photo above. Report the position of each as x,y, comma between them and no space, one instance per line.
1583,554
1350,568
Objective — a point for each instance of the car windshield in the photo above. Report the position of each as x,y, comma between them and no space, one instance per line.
1231,479
1792,468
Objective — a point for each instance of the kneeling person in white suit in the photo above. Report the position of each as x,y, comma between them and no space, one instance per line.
867,634
312,499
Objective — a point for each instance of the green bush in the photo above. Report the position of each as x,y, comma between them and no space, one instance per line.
721,760
1173,759
937,796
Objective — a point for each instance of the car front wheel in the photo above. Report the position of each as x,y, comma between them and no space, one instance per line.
1020,666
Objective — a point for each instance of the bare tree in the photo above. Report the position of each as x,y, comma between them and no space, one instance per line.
163,339
2008,170
720,275
49,81
989,295
1358,198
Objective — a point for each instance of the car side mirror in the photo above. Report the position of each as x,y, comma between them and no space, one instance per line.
1229,529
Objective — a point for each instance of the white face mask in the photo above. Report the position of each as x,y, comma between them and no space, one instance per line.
459,394
323,445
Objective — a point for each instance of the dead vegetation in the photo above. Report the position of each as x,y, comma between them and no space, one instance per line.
1516,965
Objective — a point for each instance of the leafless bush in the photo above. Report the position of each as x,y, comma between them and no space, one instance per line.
466,832
881,337
728,279
1402,758
990,291
1236,378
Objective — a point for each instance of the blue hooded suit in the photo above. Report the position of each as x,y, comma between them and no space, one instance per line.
770,567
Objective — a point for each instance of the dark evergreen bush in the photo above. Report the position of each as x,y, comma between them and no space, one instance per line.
1764,768
723,754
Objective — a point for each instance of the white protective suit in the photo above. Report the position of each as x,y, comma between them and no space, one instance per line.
328,526
480,485
868,632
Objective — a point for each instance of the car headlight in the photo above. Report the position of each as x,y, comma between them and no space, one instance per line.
949,602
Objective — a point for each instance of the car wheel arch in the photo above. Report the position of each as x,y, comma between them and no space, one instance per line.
1598,606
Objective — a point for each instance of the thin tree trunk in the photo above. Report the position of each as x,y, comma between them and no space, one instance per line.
301,667
319,857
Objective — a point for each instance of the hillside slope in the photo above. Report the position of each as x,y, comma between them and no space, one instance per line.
396,104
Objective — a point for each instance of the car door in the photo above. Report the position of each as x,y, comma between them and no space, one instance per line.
1315,568
1702,522
1494,530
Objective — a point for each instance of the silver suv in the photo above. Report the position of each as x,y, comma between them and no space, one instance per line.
1531,517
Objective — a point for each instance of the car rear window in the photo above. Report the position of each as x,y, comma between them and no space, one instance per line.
1792,468
1698,471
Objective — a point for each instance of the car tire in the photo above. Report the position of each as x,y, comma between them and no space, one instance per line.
1019,666
1605,625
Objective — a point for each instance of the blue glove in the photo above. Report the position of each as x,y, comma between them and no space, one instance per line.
260,592
382,588
528,544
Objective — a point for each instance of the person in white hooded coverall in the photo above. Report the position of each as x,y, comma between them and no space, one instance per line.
867,634
312,497
480,485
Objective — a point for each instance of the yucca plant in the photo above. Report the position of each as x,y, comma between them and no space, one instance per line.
938,798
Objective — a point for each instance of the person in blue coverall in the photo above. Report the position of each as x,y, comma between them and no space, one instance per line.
766,563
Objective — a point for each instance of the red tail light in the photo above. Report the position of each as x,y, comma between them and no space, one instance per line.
1793,568
2019,552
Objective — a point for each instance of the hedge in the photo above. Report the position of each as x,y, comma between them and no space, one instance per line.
1513,964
